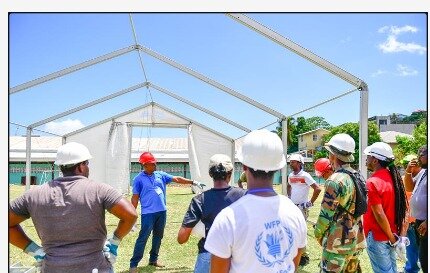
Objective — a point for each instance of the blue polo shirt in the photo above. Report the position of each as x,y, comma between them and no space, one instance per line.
151,190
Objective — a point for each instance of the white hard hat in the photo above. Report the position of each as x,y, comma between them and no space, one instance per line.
72,153
296,157
262,150
380,150
342,146
222,159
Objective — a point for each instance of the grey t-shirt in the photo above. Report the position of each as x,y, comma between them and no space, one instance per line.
69,216
419,196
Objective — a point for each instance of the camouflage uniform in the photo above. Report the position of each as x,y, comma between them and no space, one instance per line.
341,235
305,212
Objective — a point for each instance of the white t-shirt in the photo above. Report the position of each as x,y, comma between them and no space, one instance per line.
418,200
300,184
260,234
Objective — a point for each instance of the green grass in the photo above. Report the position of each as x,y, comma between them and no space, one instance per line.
177,258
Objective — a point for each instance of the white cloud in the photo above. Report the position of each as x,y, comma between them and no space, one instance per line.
383,29
397,30
379,72
63,127
405,71
401,70
392,45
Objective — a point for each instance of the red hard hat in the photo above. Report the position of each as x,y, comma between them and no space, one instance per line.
322,165
147,157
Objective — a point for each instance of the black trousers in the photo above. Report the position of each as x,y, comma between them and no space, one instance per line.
422,244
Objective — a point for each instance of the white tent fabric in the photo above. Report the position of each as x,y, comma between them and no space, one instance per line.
104,144
95,138
202,145
118,157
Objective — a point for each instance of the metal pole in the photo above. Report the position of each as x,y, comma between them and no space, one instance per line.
210,81
364,129
52,171
71,69
89,104
130,145
284,125
233,148
165,91
28,159
296,48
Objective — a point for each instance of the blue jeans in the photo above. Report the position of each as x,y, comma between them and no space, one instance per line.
382,256
411,265
203,263
154,222
422,241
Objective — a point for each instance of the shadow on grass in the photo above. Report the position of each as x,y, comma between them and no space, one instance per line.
180,194
150,269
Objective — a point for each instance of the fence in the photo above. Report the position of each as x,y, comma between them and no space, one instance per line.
46,171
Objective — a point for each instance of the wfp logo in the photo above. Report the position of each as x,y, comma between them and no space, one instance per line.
274,244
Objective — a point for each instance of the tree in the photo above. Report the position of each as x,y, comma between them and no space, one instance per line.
408,145
290,129
353,130
291,134
416,117
299,126
312,123
394,119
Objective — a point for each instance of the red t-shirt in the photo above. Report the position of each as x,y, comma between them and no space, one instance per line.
380,191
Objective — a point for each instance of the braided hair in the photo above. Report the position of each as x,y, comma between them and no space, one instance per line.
400,200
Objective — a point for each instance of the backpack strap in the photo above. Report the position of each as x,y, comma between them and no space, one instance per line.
202,199
351,175
342,209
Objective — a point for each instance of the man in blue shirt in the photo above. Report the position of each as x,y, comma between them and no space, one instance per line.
418,204
149,187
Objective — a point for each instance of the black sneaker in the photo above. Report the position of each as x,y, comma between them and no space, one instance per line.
304,260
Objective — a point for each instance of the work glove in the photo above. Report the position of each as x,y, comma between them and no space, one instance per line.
198,184
400,248
307,205
134,228
110,249
36,252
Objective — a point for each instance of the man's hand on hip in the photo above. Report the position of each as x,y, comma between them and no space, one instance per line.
36,252
110,249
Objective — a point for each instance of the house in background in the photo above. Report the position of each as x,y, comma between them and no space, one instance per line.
381,120
311,141
401,128
389,137
386,123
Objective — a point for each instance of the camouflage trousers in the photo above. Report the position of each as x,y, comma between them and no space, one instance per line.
333,262
305,212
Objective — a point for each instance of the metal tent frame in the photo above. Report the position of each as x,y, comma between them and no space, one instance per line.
324,64
248,22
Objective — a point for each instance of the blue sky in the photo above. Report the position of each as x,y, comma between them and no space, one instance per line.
386,50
